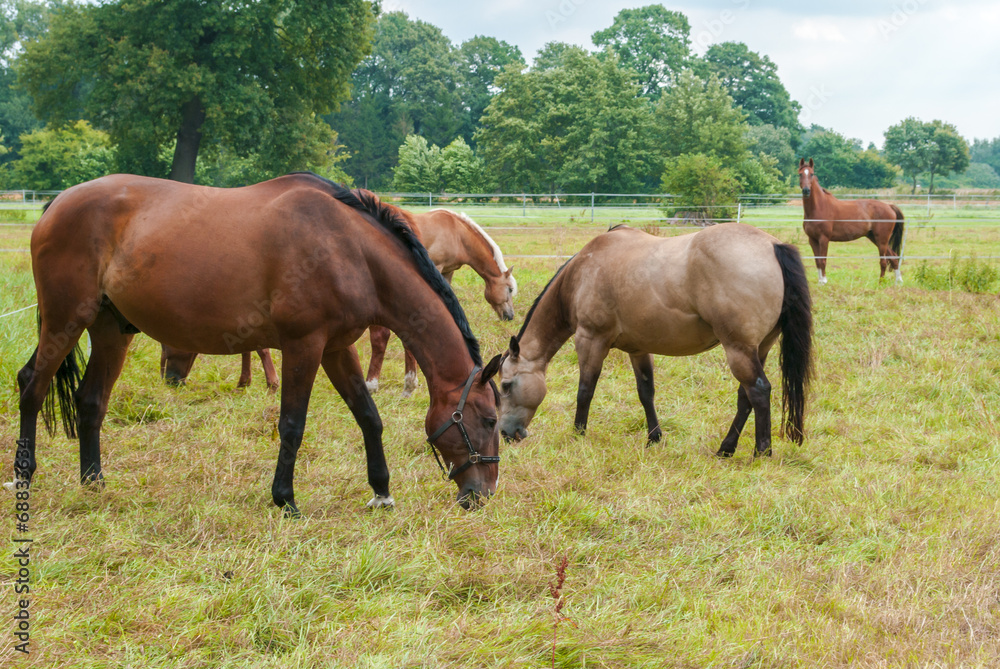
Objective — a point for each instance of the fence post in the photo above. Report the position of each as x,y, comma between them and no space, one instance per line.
954,201
591,207
739,211
524,205
430,200
928,204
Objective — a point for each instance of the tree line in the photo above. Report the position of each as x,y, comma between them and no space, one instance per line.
237,92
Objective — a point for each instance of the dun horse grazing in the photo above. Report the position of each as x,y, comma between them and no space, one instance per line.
175,365
728,284
297,263
828,219
452,240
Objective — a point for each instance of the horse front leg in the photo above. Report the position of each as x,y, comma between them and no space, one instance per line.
300,361
246,373
591,352
410,379
344,370
642,365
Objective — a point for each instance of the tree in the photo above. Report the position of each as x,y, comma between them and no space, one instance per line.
579,126
841,162
752,81
552,56
934,148
461,171
702,185
57,158
776,143
408,85
245,73
20,20
697,116
906,145
480,61
419,167
986,151
653,41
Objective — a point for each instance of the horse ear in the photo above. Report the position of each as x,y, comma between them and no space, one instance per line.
507,273
515,349
810,162
490,370
802,161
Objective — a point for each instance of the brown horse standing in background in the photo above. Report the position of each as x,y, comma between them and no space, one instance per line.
828,219
730,284
297,263
452,240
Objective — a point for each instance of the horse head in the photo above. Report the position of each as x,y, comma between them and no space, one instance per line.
500,292
522,389
806,174
463,427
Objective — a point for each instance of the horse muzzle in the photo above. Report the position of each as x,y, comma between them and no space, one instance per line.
517,435
806,192
472,498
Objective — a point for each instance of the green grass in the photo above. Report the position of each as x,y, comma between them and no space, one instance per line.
874,544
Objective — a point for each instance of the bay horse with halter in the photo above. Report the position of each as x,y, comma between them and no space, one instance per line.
728,284
452,241
828,219
297,263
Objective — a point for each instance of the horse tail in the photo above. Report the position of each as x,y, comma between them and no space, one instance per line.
796,340
62,389
896,240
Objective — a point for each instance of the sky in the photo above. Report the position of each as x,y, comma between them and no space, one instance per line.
855,66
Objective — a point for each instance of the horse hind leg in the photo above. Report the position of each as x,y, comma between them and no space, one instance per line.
270,373
754,393
380,340
642,365
109,347
820,247
410,378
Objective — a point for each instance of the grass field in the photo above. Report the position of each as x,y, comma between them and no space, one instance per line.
874,544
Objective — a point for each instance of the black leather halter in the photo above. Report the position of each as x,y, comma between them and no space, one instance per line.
456,419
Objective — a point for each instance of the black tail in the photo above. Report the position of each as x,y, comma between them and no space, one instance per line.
63,387
896,240
796,340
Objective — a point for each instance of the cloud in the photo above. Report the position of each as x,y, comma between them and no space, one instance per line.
818,30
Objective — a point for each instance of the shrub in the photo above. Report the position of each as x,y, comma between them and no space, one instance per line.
703,189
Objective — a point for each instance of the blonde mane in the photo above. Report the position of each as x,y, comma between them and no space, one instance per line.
497,254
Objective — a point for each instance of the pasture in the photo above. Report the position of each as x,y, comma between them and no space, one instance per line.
873,544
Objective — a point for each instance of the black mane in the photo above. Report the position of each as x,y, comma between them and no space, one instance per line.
538,299
393,223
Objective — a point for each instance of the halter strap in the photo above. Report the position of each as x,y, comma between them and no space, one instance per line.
456,419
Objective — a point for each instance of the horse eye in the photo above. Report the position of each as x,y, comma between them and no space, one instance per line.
490,422
505,387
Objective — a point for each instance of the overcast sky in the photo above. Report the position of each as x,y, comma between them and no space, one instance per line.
855,66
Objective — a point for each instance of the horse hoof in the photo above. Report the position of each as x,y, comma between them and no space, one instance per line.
655,436
410,383
291,511
722,453
379,502
766,453
10,485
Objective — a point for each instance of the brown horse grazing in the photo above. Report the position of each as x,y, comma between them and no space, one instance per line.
452,240
828,219
728,284
297,263
175,365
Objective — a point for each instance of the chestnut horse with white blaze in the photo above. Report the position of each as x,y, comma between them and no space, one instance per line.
729,284
828,219
452,240
297,263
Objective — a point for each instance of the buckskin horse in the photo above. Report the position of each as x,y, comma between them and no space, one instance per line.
452,240
297,263
828,219
729,284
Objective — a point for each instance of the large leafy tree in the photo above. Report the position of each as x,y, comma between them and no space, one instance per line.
57,158
20,20
986,151
408,85
698,116
653,41
933,148
752,81
154,73
480,61
841,162
580,126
